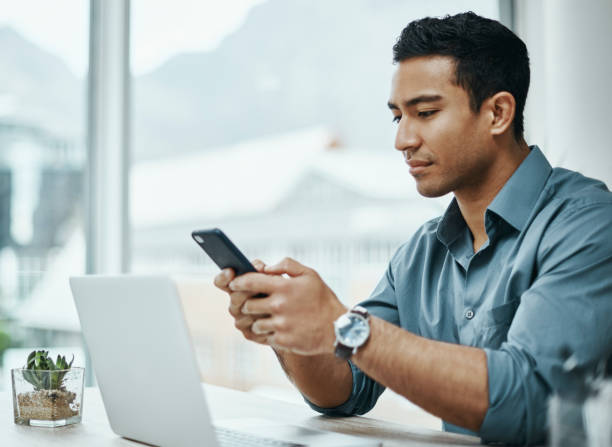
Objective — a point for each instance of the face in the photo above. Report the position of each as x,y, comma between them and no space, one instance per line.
442,140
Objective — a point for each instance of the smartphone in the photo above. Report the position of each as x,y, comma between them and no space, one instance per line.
223,252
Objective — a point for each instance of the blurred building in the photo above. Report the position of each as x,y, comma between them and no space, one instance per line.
341,210
40,198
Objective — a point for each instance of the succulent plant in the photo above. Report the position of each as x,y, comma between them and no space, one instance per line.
45,374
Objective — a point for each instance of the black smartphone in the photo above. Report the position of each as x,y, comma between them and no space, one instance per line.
223,252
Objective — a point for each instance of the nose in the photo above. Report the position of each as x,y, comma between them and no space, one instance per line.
407,137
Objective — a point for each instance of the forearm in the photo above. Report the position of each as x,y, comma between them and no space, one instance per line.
324,380
450,381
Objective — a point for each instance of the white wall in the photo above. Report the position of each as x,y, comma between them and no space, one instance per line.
569,108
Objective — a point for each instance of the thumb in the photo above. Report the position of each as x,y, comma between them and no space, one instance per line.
259,265
289,266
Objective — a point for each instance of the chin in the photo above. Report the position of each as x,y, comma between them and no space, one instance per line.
431,191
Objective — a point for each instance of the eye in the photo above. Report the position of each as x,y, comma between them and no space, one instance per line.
397,118
426,113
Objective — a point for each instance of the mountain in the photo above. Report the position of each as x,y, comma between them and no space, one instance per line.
291,65
38,89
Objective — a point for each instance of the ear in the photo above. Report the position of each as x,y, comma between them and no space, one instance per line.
501,108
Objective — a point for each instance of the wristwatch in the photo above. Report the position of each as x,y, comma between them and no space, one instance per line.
352,332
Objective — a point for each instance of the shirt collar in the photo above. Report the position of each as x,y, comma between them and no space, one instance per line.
517,198
513,203
451,224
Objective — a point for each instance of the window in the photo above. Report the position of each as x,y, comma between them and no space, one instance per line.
43,53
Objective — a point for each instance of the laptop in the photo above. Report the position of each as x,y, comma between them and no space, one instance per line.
147,372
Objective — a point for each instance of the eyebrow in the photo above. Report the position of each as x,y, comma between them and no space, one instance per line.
416,100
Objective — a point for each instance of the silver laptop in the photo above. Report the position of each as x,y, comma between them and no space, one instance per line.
138,340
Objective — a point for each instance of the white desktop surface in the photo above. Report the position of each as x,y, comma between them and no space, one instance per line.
224,403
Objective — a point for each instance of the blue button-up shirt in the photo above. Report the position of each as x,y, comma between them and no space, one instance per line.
542,281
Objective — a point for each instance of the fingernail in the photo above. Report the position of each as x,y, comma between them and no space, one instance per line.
231,285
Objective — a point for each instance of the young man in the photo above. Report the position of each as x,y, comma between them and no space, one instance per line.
470,319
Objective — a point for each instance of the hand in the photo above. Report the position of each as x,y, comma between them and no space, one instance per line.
300,308
242,321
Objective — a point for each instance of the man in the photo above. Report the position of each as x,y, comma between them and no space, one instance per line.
470,319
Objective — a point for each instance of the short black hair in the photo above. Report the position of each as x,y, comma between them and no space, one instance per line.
489,58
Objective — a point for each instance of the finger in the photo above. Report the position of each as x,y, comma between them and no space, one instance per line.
261,339
259,265
257,338
244,322
223,279
289,266
255,283
237,300
259,306
263,326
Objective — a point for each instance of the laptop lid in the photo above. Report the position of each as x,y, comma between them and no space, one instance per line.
142,355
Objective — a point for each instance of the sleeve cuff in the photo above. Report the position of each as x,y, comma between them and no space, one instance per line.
348,407
517,399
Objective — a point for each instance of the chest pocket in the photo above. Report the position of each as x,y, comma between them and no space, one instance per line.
495,323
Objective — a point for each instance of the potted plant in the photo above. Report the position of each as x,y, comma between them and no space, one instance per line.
47,393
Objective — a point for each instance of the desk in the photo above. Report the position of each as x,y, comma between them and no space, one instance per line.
95,431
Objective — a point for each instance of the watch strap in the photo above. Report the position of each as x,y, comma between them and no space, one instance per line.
360,310
343,351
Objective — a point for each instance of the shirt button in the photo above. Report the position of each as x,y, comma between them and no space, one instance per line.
469,314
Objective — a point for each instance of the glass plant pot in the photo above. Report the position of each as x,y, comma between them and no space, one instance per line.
47,398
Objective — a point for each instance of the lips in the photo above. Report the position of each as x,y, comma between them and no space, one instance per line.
418,166
416,163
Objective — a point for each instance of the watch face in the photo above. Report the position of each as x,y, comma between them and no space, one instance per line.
352,330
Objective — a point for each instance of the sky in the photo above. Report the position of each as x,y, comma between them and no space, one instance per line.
160,28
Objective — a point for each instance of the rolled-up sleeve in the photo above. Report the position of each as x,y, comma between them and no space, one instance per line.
364,394
568,305
517,398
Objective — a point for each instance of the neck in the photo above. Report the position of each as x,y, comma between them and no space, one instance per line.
474,200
